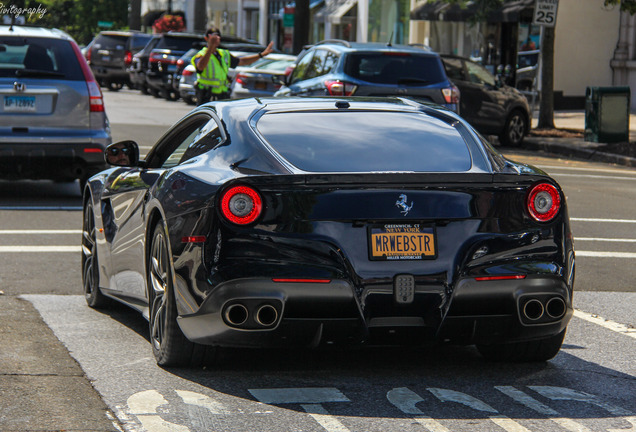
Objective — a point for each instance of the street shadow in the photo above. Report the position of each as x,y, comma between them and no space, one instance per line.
39,195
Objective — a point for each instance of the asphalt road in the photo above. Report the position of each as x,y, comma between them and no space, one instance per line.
64,366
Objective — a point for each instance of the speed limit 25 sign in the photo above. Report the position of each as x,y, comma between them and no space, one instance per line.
545,12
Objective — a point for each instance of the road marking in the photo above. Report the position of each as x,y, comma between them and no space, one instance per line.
144,405
593,176
597,220
500,420
203,401
405,400
310,399
608,324
545,167
65,208
532,403
615,240
596,254
12,249
60,231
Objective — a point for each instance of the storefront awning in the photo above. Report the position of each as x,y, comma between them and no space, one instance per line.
513,11
334,11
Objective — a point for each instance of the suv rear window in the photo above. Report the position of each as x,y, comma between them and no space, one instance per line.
113,42
177,43
38,57
138,41
360,141
394,68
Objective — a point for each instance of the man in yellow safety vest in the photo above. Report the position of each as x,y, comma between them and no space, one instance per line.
212,64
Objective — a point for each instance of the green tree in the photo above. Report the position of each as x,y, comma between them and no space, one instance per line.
79,18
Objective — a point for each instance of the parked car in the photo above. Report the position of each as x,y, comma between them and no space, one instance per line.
139,65
527,67
52,120
110,55
489,106
263,77
341,68
185,75
371,220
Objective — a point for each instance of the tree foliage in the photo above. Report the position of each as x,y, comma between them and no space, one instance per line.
79,18
626,5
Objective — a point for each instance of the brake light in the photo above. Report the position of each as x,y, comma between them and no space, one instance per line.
128,58
492,278
544,202
163,59
239,79
451,94
241,205
96,100
340,88
187,72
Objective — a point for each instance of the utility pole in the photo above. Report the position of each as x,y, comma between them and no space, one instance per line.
301,25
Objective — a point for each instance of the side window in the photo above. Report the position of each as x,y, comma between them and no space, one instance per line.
208,138
301,68
330,62
317,64
169,152
454,69
479,74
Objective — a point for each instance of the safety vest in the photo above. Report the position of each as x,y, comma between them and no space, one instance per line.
214,76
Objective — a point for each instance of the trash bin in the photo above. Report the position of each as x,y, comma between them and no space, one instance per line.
607,114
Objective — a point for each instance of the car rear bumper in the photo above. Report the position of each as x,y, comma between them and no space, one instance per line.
260,312
112,74
52,160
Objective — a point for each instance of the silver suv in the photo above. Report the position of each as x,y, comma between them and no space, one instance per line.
52,119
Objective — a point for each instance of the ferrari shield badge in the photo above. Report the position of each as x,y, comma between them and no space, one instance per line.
402,204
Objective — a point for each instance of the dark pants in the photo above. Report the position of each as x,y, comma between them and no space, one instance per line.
205,95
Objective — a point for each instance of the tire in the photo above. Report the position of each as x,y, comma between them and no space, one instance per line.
169,345
90,261
143,89
170,95
531,351
515,130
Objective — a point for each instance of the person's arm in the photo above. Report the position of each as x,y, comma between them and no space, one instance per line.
248,60
202,62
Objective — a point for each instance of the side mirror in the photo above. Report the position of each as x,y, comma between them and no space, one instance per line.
122,153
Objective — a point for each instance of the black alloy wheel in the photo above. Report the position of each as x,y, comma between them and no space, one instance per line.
90,261
515,129
169,345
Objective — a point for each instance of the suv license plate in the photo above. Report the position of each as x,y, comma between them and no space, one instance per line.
19,103
402,242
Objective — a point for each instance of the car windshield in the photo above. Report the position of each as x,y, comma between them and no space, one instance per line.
33,57
113,42
393,67
138,41
272,65
177,43
360,141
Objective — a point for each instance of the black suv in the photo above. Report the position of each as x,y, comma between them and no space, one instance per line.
139,66
162,62
110,54
489,105
341,68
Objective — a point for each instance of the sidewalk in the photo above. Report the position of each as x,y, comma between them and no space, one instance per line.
577,147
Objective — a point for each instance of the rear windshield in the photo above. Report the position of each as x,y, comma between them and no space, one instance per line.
365,141
394,68
177,43
138,41
111,42
38,58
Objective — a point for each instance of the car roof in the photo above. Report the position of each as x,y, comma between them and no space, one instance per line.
27,31
346,46
121,32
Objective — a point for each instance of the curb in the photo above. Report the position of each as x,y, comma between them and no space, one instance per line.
577,148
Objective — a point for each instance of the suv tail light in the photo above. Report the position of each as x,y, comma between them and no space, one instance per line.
241,205
340,88
239,79
163,59
128,58
96,100
451,95
187,72
544,202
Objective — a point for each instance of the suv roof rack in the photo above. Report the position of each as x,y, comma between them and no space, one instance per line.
335,41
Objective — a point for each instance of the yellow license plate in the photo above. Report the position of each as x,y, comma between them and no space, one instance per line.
402,242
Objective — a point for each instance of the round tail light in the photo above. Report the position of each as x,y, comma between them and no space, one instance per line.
241,205
544,202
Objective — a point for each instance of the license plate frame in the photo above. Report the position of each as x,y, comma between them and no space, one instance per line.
14,103
401,242
260,85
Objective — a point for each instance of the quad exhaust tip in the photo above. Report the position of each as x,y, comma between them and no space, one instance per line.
266,315
533,309
251,315
236,314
